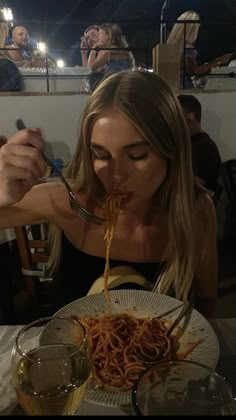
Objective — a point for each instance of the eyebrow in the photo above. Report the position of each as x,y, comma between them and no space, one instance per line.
128,146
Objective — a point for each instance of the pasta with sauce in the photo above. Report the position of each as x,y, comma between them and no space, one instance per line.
123,344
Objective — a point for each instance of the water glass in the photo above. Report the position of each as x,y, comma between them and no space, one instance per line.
182,388
51,366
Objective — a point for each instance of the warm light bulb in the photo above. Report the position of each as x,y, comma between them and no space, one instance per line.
60,63
42,47
7,13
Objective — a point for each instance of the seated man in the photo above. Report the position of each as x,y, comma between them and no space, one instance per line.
205,154
25,54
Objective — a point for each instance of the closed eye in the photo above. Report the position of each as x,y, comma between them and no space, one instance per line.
101,155
140,157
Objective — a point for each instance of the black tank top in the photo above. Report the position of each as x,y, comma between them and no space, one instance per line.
78,271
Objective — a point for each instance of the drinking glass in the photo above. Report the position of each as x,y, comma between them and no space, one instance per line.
182,388
51,366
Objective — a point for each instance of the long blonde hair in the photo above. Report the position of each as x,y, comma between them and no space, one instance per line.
3,33
176,36
163,126
117,40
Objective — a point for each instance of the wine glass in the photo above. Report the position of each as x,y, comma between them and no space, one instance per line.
182,388
51,366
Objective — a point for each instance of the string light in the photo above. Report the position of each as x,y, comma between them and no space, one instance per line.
42,47
60,63
7,13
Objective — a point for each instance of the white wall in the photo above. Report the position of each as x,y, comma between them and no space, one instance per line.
59,115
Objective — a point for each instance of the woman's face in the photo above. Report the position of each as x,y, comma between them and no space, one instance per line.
103,37
123,160
92,36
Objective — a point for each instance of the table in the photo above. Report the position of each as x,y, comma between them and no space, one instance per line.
224,328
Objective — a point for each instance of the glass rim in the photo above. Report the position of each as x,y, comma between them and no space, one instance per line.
34,323
172,363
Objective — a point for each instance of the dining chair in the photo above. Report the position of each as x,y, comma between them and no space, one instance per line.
33,247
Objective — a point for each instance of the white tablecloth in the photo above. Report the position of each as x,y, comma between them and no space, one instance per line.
8,405
224,328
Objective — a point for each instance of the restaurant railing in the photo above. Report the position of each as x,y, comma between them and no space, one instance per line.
150,32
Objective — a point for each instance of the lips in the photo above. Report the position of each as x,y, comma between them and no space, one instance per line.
125,197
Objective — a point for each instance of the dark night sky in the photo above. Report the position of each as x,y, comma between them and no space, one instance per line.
68,18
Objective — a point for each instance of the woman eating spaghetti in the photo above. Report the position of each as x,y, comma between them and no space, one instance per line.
133,144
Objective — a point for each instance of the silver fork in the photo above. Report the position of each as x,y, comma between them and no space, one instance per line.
186,311
74,203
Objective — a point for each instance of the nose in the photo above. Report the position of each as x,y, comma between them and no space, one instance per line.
119,172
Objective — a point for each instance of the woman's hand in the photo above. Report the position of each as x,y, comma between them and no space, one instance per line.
21,165
99,44
83,43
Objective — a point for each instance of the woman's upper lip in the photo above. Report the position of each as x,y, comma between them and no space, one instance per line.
120,192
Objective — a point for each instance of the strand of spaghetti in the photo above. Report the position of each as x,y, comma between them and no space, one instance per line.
112,206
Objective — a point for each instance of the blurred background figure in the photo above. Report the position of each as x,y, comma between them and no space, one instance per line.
91,37
24,54
189,65
205,154
115,58
10,77
4,31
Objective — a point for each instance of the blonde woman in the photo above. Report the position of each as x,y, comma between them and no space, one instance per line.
4,30
114,59
166,226
189,56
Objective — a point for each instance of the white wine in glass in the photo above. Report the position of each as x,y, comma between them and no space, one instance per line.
51,366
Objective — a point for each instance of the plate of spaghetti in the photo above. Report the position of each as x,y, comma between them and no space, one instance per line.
130,333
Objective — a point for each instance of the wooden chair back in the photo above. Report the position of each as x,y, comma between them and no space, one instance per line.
34,255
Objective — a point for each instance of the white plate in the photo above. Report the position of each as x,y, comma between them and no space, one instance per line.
145,304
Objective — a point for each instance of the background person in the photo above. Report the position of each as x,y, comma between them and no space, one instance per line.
205,154
189,56
24,54
91,37
10,77
110,60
